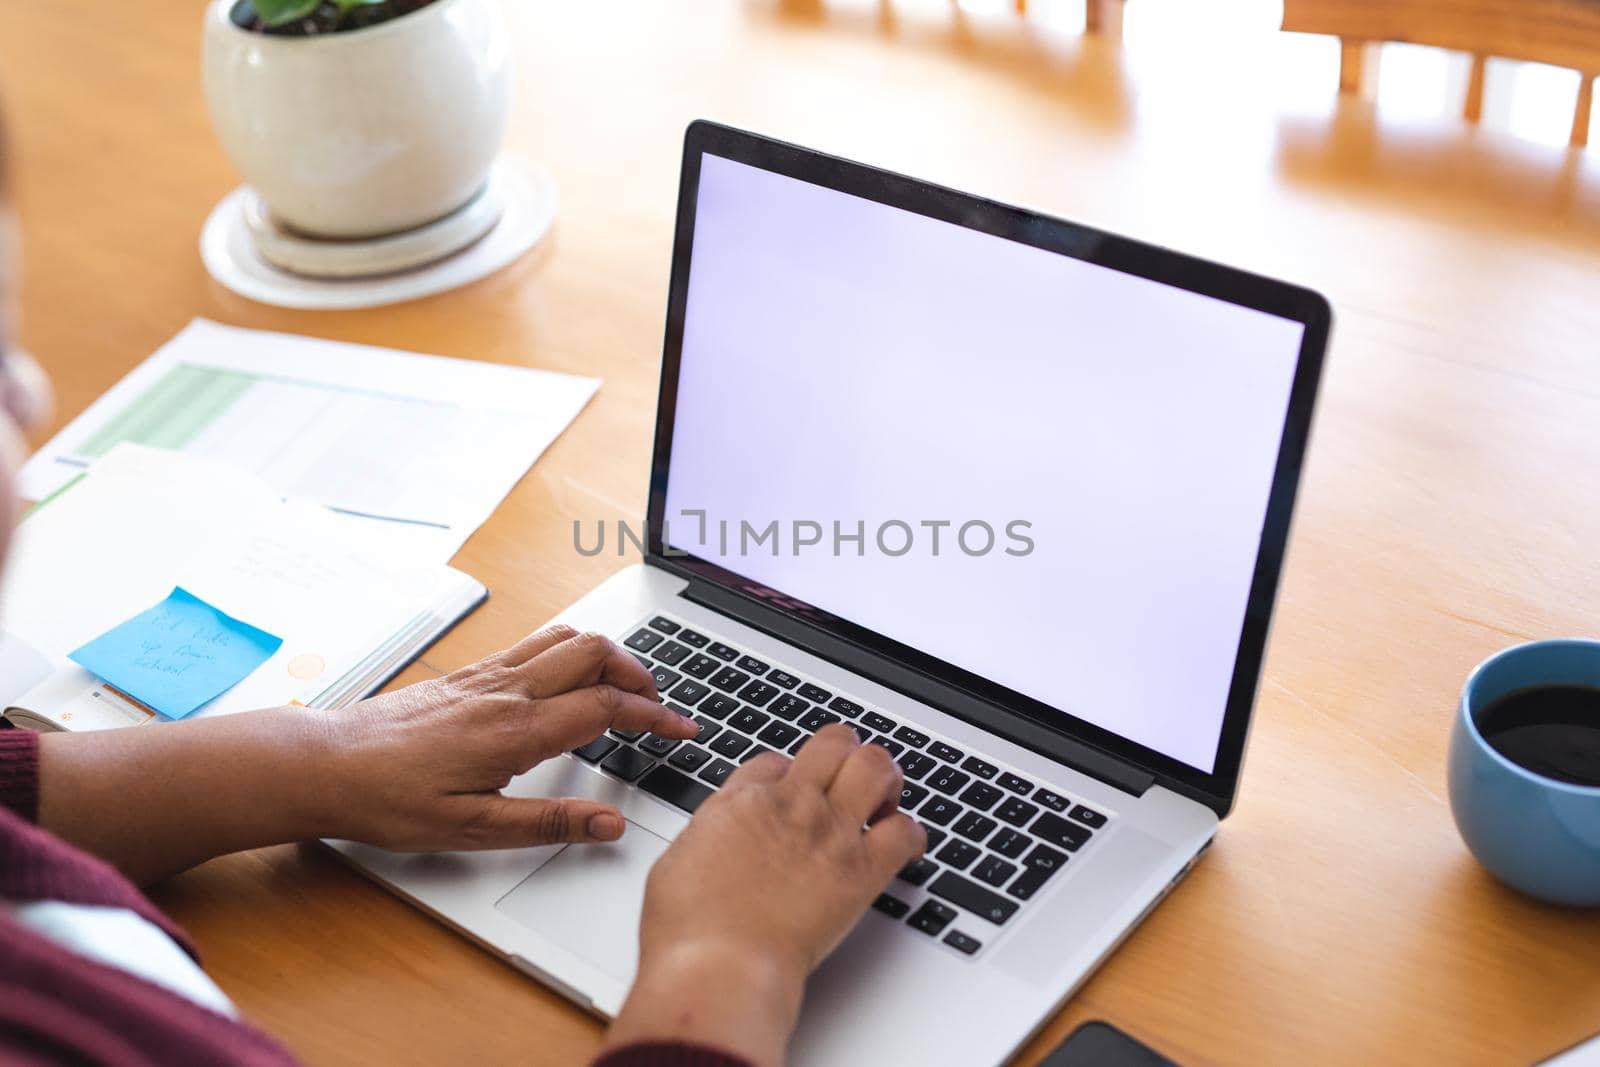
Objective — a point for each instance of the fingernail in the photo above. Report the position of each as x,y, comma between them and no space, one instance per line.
605,826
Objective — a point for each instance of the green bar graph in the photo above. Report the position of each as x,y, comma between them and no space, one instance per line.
174,411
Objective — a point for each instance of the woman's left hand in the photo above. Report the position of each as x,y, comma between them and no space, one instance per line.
422,768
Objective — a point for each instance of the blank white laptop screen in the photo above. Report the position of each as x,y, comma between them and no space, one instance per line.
876,372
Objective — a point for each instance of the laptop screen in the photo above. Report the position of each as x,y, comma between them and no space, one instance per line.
1048,473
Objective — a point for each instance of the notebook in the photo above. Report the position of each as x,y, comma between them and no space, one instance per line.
351,611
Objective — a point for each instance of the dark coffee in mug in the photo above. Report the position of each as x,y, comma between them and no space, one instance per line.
1552,730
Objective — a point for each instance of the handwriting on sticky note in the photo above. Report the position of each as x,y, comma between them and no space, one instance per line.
178,655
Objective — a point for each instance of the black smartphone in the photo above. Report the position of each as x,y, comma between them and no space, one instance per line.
1098,1044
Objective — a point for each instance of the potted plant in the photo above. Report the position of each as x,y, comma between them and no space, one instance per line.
358,118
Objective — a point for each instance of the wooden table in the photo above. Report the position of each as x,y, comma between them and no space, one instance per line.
1449,508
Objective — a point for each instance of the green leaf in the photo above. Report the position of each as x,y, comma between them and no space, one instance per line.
347,6
276,13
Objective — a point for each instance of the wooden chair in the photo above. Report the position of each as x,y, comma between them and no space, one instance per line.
1101,16
1563,33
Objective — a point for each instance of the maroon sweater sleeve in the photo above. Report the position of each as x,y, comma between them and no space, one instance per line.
19,772
668,1054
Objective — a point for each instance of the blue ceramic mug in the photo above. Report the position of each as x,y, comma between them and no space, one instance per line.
1535,834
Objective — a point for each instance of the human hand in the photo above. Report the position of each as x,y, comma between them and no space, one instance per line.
422,768
762,885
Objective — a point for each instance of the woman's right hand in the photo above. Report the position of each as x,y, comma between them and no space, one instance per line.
762,885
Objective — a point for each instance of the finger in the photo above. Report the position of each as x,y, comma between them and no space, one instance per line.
765,769
892,843
585,660
516,822
562,723
868,778
532,645
819,760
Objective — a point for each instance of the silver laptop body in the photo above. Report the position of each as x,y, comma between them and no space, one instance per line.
849,351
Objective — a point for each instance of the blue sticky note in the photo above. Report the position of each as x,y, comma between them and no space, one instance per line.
177,655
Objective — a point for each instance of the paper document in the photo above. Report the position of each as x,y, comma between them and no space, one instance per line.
177,655
142,521
423,442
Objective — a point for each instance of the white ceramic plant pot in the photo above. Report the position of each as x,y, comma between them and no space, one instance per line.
365,132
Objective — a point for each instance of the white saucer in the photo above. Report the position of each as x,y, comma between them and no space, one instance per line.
366,257
524,196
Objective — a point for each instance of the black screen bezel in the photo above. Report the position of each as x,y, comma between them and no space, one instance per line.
1216,788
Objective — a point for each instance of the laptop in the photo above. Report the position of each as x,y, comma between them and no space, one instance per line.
1007,494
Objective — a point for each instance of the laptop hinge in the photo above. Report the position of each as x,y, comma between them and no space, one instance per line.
947,698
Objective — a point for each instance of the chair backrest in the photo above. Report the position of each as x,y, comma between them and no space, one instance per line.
1563,33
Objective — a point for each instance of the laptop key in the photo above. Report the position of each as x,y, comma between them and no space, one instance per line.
788,707
671,653
948,753
795,748
973,897
693,639
778,734
595,750
1088,816
918,871
689,758
962,942
758,693
644,661
730,744
893,907
1037,869
716,772
979,767
958,854
1009,843
1059,832
666,626
751,664
665,679
689,693
816,719
975,827
948,780
628,735
911,795
815,693
729,680
981,796
848,708
1016,783
644,640
718,706
709,729
881,723
723,652
677,789
752,752
627,763
931,918
1015,811
940,811
914,738
915,764
783,679
993,870
935,835
700,666
658,746
1053,801
883,741
749,720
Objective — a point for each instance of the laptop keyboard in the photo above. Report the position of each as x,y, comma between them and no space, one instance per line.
996,838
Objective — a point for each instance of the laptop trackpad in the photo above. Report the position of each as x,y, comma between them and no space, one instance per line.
587,899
